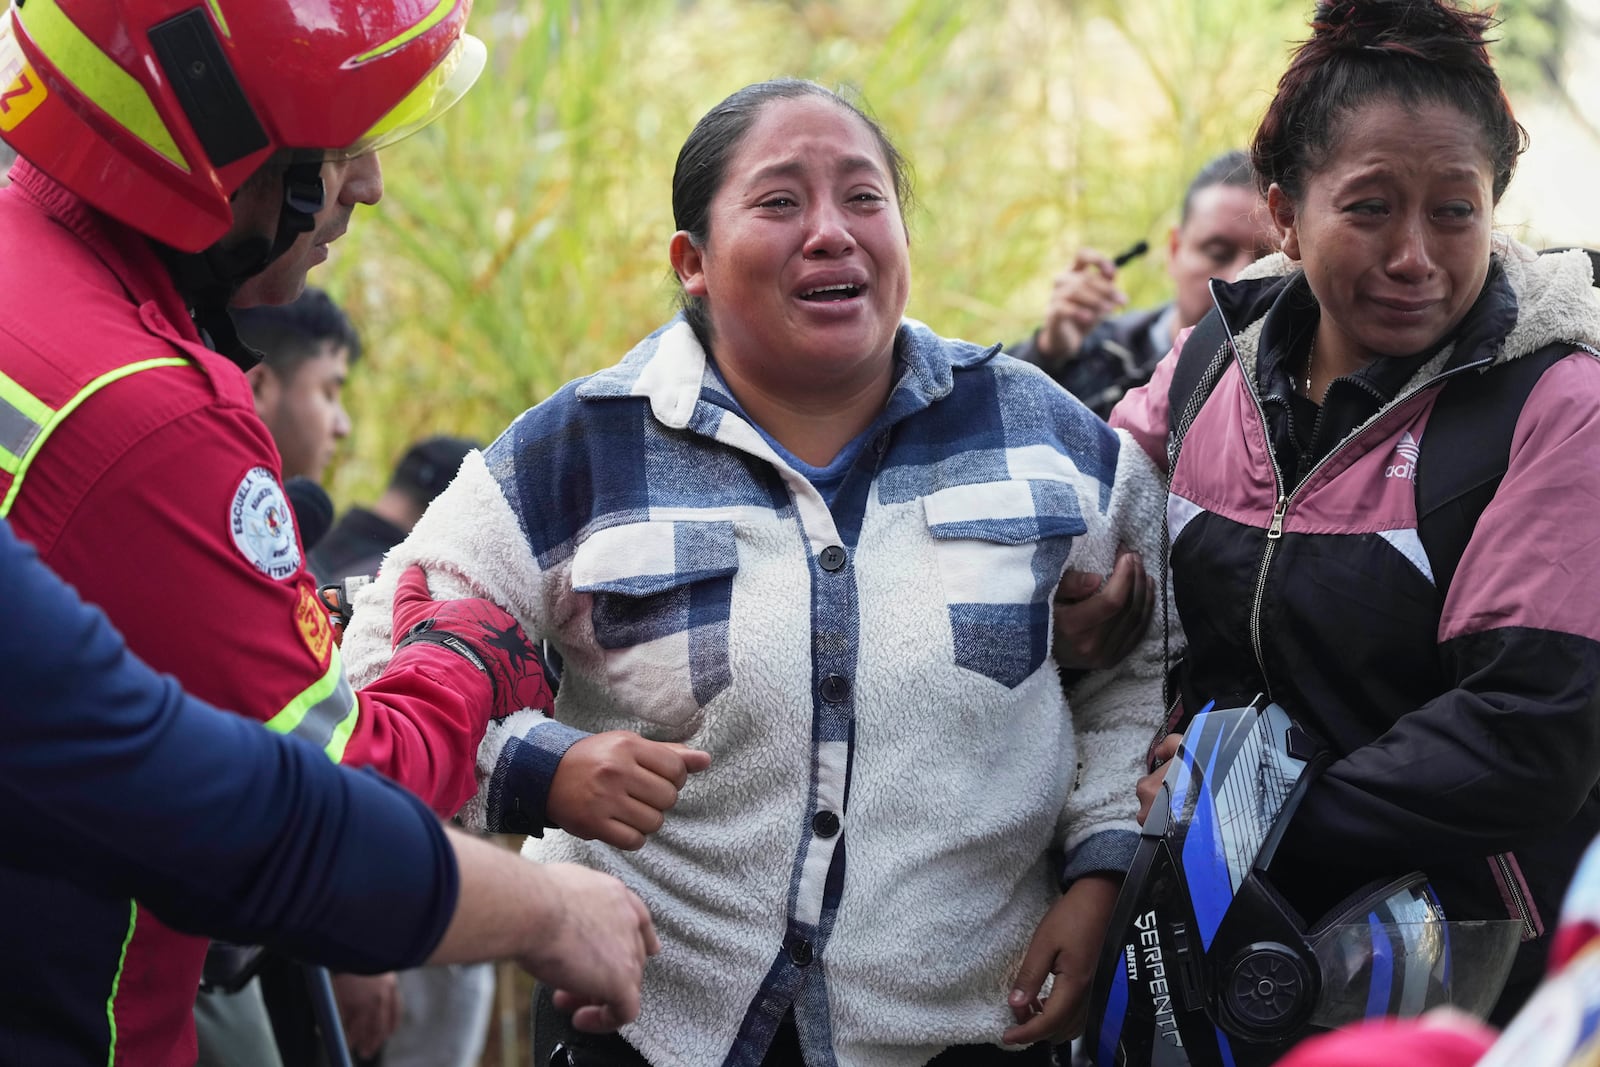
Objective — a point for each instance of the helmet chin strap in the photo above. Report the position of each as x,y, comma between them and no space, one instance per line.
208,279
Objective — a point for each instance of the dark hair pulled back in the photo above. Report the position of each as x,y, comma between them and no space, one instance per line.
1232,168
1409,51
703,163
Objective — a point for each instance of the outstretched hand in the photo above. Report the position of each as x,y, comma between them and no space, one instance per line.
592,955
1067,946
617,787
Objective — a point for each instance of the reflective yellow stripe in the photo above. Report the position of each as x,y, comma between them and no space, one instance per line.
97,76
341,733
22,419
324,714
222,21
116,982
429,21
53,419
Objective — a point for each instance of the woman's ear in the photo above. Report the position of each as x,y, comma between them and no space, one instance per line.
1282,210
688,263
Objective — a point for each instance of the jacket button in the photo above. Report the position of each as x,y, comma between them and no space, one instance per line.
799,951
835,689
832,558
825,823
154,321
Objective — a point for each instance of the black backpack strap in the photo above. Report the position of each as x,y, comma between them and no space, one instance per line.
1465,451
1204,357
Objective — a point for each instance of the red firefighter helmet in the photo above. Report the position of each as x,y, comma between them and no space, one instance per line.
156,111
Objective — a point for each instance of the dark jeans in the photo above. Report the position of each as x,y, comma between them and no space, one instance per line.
557,1044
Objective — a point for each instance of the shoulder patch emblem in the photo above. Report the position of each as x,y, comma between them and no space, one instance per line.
311,619
263,525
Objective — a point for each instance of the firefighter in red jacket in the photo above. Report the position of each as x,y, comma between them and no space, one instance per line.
171,150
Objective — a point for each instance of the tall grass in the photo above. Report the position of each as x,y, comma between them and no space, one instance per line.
523,238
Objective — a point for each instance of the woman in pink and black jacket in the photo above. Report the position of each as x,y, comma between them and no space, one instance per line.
1463,710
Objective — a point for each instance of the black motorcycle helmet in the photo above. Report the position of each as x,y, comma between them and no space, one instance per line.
1206,963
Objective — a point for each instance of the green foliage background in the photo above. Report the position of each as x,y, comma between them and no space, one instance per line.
523,238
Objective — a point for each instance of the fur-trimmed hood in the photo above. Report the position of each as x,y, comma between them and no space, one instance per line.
1553,292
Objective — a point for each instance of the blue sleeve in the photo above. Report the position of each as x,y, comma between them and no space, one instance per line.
111,776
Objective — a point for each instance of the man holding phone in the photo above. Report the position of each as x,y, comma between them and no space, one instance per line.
1098,355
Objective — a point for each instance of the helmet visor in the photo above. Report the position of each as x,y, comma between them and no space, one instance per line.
446,83
1407,968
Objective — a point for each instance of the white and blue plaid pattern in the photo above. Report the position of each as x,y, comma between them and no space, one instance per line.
998,464
872,679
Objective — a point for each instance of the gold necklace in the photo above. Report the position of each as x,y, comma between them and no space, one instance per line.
1311,355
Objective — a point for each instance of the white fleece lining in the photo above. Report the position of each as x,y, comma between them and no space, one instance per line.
1556,301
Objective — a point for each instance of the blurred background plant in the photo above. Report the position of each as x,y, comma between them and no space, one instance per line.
523,238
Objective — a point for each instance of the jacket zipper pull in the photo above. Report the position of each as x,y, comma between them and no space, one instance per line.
1275,531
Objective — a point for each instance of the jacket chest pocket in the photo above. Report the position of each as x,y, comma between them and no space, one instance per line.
1000,548
660,596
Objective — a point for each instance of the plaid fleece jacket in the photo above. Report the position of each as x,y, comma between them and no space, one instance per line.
896,774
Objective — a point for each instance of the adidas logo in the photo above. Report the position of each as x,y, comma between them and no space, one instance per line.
1406,452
